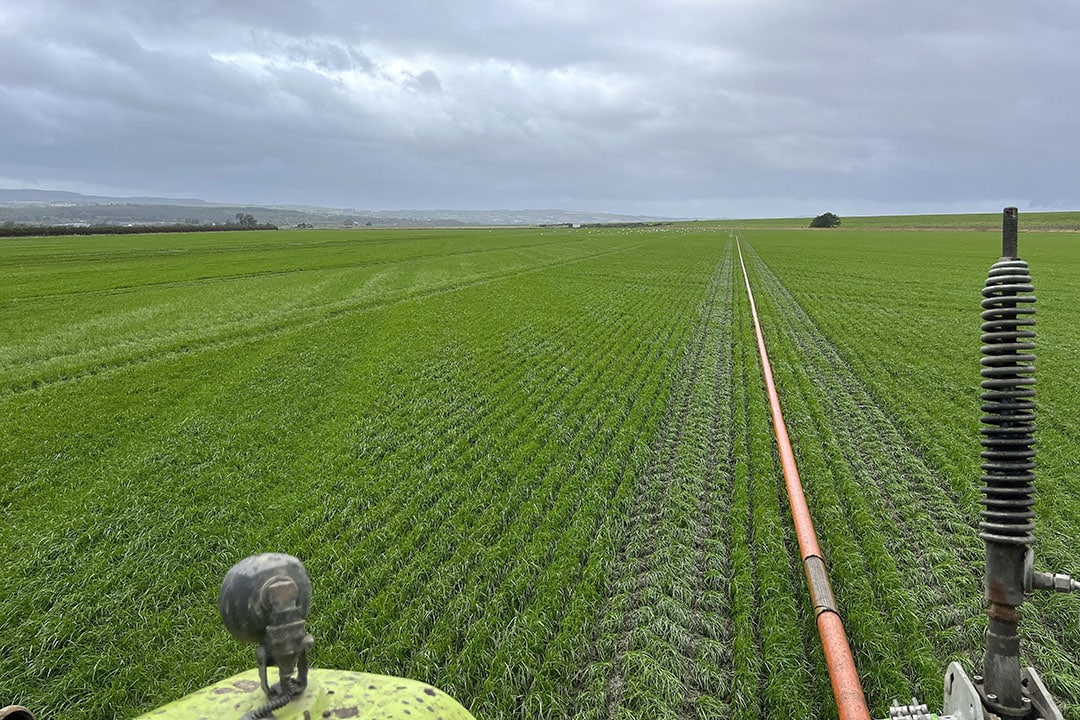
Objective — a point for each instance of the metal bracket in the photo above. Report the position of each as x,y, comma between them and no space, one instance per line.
1045,707
966,699
962,700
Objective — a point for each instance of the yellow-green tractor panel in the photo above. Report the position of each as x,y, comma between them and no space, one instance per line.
329,694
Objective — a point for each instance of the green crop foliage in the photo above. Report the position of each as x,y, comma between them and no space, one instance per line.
531,466
876,334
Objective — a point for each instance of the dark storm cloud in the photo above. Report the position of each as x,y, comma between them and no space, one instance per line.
678,107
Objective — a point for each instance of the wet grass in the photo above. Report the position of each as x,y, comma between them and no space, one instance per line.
533,467
879,347
449,429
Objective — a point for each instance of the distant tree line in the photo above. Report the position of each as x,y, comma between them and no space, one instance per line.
13,230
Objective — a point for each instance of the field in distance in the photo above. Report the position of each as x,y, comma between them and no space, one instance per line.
1029,221
530,466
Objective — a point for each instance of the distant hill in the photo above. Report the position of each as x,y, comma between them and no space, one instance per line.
55,207
26,195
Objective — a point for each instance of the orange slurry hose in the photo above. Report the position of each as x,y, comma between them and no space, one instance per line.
850,701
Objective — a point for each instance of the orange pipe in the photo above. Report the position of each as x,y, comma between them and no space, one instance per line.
847,690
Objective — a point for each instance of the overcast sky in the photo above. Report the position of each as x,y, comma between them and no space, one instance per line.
693,108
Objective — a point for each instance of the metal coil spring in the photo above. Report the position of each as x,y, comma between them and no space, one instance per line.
1008,404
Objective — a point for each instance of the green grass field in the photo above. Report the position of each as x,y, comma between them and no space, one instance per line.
533,467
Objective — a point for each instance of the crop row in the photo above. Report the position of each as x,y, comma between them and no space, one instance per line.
80,309
879,361
447,465
707,614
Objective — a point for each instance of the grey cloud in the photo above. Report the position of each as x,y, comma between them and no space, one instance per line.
330,56
612,105
426,82
216,17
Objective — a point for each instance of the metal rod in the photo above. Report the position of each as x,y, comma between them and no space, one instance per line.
1009,223
847,690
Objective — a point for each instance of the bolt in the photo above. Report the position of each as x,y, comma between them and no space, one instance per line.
1026,701
977,678
992,697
